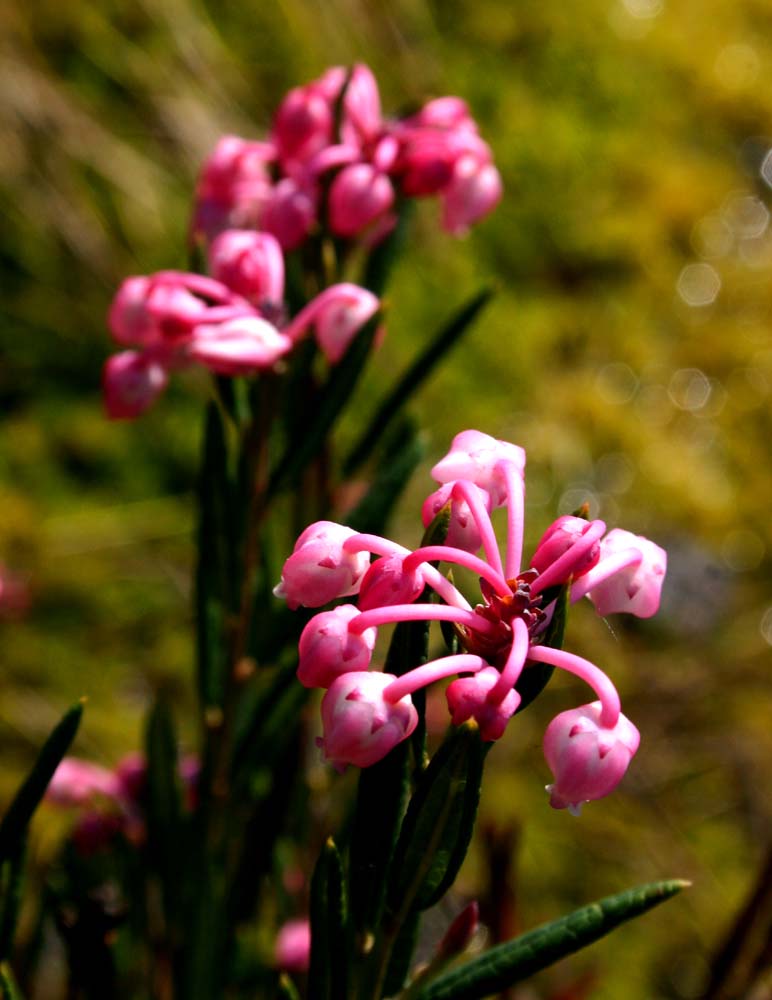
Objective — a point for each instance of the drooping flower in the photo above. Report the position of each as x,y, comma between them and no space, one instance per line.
292,951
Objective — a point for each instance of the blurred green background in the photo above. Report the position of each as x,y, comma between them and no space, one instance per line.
628,350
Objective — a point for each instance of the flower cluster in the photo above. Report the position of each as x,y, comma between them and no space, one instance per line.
366,712
332,159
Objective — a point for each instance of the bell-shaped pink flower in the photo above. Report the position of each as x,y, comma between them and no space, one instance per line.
463,532
561,536
303,123
361,108
240,346
445,113
131,382
292,951
327,649
387,582
468,699
233,185
360,725
474,456
360,195
474,190
631,571
289,213
340,313
79,782
249,263
320,569
587,759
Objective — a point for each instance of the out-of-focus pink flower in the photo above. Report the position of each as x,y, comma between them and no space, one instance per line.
627,577
327,648
131,382
587,758
359,196
292,951
337,314
361,123
15,597
468,699
476,457
233,186
289,213
360,725
239,346
474,190
249,263
303,123
79,782
463,532
320,569
445,113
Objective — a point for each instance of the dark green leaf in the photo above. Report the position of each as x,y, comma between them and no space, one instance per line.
164,806
396,465
536,676
402,955
13,827
327,974
286,989
381,261
417,373
502,966
11,879
9,989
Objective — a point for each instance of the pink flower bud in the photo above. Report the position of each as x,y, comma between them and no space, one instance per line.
463,532
445,113
320,569
288,213
562,535
131,772
360,726
468,699
131,382
303,124
327,649
461,932
249,263
473,192
587,759
635,588
428,158
233,185
292,951
359,196
79,782
340,312
239,346
387,583
474,456
361,107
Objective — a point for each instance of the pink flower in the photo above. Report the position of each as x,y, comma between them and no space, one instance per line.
337,314
388,581
320,569
468,699
462,530
249,263
474,190
303,123
131,382
628,576
79,782
475,457
572,535
327,648
360,725
289,213
233,186
587,758
292,951
241,346
359,196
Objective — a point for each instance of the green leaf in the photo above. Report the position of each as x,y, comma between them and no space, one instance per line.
422,367
402,955
11,880
510,963
164,807
381,261
14,824
328,403
438,825
327,973
536,676
9,989
286,989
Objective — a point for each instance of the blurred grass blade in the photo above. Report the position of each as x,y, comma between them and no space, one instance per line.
509,963
327,972
536,676
418,372
384,256
164,806
438,825
11,881
328,403
14,824
286,989
9,989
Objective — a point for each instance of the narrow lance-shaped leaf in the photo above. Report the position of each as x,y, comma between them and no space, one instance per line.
536,676
448,335
506,964
9,988
286,989
327,974
165,841
14,824
11,880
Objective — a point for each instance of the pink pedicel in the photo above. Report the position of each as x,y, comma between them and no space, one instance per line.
474,456
360,195
250,264
587,758
320,569
561,536
292,951
360,725
463,530
628,576
328,649
468,699
131,382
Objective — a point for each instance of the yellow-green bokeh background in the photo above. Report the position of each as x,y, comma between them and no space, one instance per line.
631,136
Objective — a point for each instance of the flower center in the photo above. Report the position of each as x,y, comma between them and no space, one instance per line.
494,645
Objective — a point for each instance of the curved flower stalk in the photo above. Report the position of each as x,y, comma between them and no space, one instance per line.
588,748
329,136
232,323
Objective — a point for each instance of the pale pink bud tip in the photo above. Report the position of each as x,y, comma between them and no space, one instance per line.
474,456
468,699
319,569
131,382
293,946
360,725
587,759
636,588
327,648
